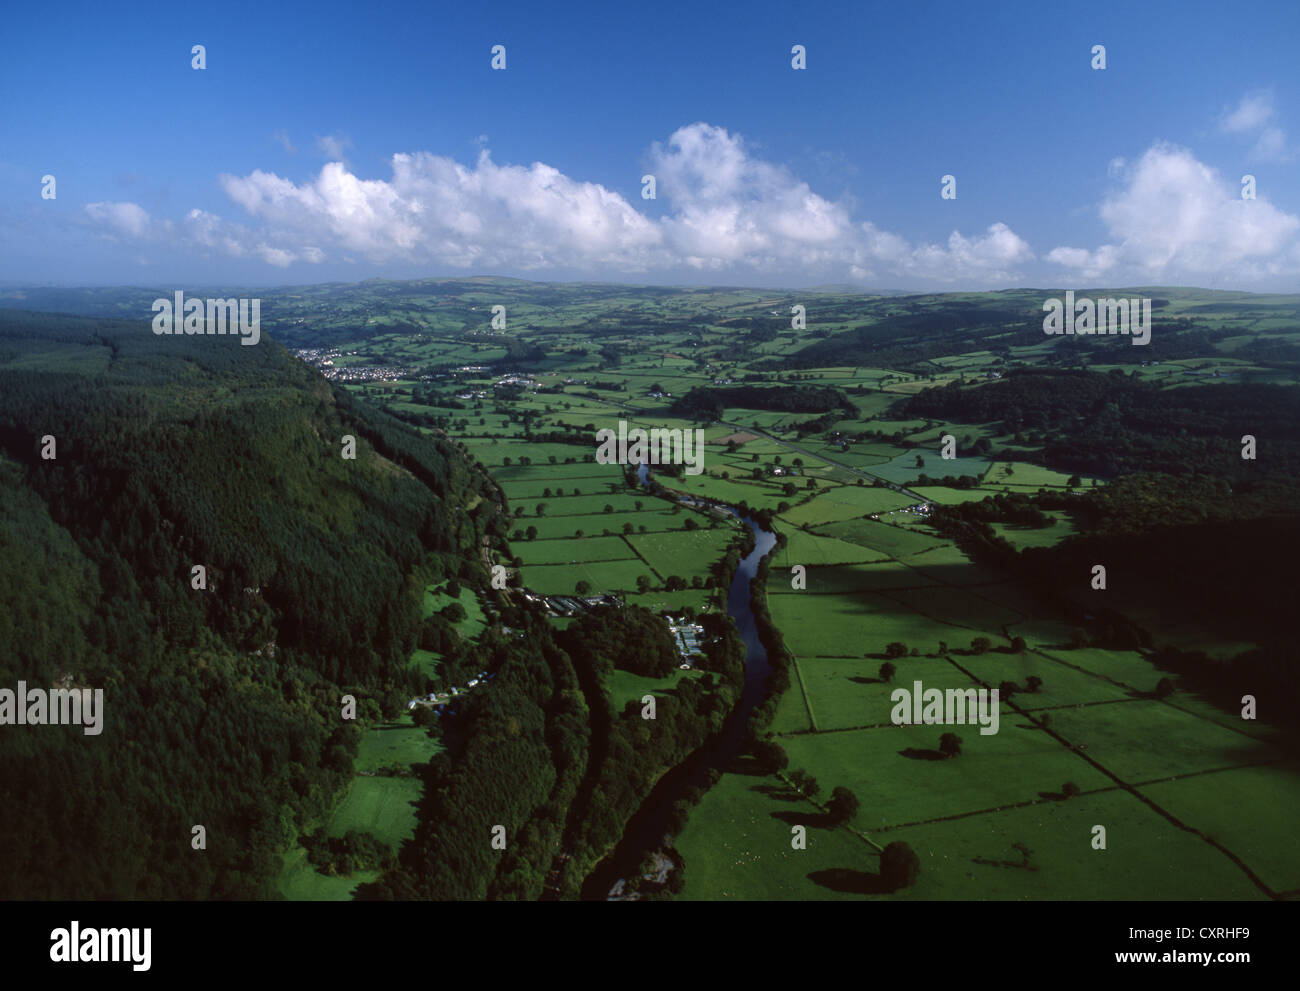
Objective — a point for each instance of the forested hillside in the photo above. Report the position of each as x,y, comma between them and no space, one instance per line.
1111,424
222,704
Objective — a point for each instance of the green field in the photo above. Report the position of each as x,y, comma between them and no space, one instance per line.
684,553
570,550
603,576
844,503
891,541
871,582
382,805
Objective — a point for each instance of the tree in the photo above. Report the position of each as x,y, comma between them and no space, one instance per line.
531,533
896,649
843,805
424,716
980,645
1069,789
628,528
804,783
541,509
691,524
643,583
1007,688
1164,688
1074,482
608,508
770,755
899,866
1018,644
583,587
887,671
920,461
453,588
950,745
1033,683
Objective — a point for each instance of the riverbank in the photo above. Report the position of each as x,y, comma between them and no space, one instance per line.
648,832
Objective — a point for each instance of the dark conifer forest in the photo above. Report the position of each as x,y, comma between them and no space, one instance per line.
223,702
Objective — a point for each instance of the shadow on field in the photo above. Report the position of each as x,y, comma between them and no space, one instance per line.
746,765
778,792
850,881
813,820
857,680
915,753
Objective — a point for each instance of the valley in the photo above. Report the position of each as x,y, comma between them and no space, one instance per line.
560,596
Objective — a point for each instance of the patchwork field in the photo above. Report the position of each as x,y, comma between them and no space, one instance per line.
1167,778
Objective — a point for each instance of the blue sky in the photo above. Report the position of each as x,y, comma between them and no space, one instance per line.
276,163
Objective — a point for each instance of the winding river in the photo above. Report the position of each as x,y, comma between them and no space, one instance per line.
646,830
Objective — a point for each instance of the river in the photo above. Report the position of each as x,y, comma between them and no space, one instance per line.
646,830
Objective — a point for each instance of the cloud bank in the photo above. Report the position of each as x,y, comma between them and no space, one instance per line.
726,210
1175,218
722,209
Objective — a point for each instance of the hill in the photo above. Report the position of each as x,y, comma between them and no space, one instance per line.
221,696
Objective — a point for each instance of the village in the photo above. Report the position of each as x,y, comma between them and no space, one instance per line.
441,702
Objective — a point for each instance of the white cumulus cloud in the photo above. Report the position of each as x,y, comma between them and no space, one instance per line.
725,209
1256,114
332,146
129,219
1177,218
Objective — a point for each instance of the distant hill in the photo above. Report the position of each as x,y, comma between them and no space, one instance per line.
846,326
